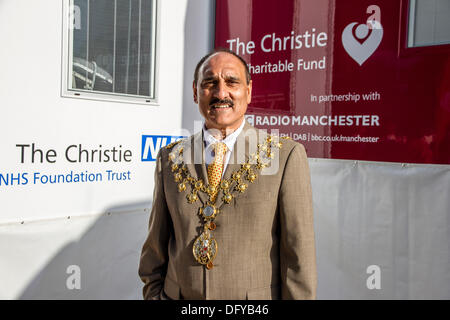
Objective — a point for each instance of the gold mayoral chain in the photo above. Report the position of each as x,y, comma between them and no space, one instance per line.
205,246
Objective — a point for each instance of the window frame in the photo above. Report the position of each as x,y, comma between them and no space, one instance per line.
404,34
67,58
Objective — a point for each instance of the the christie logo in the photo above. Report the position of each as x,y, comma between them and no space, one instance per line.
361,42
152,144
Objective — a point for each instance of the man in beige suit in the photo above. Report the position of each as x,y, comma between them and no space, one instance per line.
232,207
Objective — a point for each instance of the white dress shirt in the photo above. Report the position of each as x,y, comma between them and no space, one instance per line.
209,141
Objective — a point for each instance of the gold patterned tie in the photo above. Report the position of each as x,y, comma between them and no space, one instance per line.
215,168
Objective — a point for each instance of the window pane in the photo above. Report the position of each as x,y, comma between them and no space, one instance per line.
146,50
429,22
101,42
113,46
122,60
80,47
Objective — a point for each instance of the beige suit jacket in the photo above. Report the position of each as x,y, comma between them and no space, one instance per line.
265,236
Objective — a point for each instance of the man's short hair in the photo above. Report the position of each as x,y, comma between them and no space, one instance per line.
202,60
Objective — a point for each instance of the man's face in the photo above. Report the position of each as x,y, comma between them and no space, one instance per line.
221,92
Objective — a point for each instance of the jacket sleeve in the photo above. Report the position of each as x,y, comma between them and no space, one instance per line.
297,245
154,256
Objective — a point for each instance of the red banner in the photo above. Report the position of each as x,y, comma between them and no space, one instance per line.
338,77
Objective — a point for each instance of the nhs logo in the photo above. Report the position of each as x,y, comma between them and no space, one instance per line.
152,144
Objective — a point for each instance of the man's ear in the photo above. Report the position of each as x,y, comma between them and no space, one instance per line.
249,92
194,89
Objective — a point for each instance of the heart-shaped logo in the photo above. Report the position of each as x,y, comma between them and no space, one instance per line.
365,44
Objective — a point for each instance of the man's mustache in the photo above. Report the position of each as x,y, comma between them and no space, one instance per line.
216,101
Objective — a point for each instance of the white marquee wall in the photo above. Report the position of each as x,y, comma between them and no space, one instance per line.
391,215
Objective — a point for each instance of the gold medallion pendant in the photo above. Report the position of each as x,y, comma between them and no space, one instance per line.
205,246
205,249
